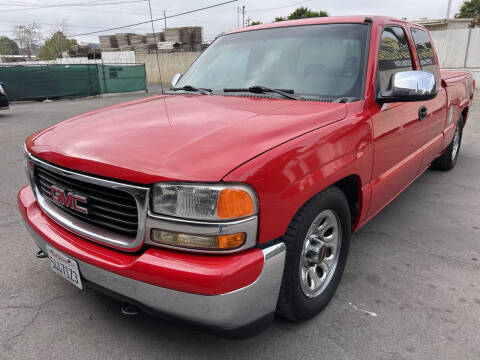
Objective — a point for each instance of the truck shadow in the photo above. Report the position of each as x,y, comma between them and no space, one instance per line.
176,338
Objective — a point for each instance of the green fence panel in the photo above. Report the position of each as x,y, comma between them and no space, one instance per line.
68,81
122,78
52,81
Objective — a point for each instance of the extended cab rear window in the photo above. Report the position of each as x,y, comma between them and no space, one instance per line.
326,60
424,50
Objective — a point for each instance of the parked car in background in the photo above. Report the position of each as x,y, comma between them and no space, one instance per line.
4,104
234,196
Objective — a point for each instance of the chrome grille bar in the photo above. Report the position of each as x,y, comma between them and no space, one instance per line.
116,211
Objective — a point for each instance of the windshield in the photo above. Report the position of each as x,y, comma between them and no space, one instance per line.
324,60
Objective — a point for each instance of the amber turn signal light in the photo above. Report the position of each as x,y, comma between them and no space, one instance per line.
234,241
220,242
234,203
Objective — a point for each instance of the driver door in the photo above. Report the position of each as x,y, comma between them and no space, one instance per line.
398,133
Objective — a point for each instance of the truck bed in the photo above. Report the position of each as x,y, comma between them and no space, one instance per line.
453,76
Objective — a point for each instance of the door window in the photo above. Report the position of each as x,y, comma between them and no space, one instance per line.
394,55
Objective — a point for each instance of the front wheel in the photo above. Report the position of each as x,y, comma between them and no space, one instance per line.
317,242
449,158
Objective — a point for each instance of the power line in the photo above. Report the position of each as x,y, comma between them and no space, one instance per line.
16,3
74,5
201,19
159,19
70,26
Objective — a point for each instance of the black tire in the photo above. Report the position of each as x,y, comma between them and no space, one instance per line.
293,304
447,161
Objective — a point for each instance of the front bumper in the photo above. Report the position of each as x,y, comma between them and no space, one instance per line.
235,308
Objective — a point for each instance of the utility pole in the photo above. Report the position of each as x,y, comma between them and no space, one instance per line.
243,16
165,17
238,17
156,45
448,9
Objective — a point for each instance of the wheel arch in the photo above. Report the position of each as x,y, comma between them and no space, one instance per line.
351,188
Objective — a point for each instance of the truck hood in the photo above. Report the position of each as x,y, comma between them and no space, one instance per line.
178,137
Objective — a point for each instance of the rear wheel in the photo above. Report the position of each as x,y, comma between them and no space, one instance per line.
449,158
317,243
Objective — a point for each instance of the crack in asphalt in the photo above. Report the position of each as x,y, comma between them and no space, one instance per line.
38,307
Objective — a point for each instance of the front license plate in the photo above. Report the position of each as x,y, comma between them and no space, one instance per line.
64,266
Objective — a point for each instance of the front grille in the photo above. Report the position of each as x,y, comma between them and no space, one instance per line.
108,208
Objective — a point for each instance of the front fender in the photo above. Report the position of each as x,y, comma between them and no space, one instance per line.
289,175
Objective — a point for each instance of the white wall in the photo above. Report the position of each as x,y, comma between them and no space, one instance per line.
452,46
117,57
170,64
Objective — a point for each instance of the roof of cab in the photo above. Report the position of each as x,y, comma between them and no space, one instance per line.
325,20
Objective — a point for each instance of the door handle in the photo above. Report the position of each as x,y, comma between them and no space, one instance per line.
422,113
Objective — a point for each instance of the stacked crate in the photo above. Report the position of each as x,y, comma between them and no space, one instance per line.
152,38
192,35
184,35
180,39
108,43
139,43
123,40
173,35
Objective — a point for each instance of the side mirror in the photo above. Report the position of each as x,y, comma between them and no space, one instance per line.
409,86
175,79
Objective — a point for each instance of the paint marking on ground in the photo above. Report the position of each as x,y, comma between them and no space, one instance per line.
371,313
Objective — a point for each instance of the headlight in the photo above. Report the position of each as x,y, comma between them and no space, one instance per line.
204,201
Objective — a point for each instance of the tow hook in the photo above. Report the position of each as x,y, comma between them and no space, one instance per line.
129,310
41,255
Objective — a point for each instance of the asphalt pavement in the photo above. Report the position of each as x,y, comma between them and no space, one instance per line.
411,288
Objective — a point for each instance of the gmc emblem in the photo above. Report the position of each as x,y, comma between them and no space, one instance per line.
68,199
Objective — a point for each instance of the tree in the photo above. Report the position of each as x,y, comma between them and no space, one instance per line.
8,46
255,23
470,9
303,13
28,36
54,46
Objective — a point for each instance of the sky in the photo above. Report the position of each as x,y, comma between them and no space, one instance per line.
88,18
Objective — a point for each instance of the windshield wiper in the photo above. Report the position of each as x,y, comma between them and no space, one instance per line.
193,88
258,89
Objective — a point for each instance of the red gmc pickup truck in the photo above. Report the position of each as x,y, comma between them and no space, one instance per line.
234,195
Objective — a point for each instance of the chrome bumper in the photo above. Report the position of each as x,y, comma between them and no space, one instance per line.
226,311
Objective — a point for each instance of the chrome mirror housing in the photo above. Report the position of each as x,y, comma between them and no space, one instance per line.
175,79
409,86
